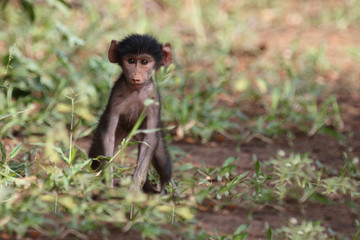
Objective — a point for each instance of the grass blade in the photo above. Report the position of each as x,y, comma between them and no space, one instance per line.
14,151
3,152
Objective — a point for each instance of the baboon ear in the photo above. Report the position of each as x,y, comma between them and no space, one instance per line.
167,55
112,51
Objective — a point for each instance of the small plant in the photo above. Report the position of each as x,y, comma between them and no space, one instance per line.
229,179
239,234
295,100
339,185
9,170
259,183
295,171
302,231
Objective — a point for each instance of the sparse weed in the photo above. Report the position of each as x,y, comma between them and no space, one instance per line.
296,176
292,99
239,234
302,231
194,107
225,175
295,171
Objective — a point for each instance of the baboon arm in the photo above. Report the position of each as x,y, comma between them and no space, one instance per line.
147,148
108,136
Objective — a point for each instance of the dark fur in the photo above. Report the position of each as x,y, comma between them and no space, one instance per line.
137,44
157,152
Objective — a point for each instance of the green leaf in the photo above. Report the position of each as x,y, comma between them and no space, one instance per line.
4,3
63,59
222,190
3,152
68,202
239,232
228,161
149,101
10,114
15,151
275,98
65,3
355,237
185,167
257,168
29,9
72,39
238,178
147,131
59,150
76,126
262,86
342,174
226,169
6,115
184,212
269,234
73,153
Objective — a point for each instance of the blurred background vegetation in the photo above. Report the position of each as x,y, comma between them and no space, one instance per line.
53,49
242,70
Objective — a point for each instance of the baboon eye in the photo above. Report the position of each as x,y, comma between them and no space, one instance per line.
131,61
144,62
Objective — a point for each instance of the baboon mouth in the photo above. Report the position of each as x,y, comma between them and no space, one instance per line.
137,85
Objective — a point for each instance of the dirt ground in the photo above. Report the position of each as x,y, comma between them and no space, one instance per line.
329,150
226,221
336,215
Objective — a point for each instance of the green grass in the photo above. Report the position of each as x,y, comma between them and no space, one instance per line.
54,83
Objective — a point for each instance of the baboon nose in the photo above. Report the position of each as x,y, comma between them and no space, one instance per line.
136,80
